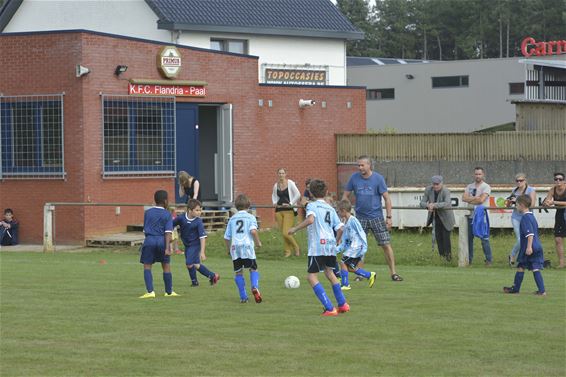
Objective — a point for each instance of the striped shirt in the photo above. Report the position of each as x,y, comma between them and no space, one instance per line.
354,241
238,231
320,233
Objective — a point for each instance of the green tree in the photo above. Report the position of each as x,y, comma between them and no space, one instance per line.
360,14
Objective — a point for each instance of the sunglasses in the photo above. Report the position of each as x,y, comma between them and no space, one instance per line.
558,179
519,180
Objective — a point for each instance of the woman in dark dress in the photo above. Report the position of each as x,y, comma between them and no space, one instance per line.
188,185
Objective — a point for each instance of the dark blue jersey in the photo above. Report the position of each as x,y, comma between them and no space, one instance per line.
529,227
157,221
190,230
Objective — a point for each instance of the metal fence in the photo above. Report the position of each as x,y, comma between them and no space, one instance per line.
31,137
138,136
535,145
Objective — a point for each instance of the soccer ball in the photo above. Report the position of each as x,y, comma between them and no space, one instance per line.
292,282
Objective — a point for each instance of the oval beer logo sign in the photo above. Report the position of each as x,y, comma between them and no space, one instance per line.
169,61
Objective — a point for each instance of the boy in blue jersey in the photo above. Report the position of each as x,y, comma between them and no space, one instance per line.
531,254
240,234
321,222
157,226
193,235
354,245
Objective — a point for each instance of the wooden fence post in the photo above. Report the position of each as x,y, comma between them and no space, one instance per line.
48,228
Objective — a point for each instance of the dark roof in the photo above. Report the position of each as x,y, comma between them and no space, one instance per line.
310,18
356,61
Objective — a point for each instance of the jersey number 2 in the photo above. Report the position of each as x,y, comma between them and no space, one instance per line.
240,226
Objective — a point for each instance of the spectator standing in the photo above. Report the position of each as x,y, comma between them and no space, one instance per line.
369,188
557,197
437,199
477,193
522,188
285,195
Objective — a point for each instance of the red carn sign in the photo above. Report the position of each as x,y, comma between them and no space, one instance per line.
531,47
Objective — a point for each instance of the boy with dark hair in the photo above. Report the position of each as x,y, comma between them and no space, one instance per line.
322,221
193,235
354,245
240,234
531,254
157,226
9,229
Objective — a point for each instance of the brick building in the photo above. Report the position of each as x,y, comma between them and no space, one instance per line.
75,128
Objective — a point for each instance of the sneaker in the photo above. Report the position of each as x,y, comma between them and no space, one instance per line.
358,278
330,313
345,287
257,295
214,279
372,279
195,284
537,293
244,301
172,294
510,290
488,263
148,295
344,308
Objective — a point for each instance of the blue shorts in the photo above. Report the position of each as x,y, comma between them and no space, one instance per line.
192,254
153,250
531,265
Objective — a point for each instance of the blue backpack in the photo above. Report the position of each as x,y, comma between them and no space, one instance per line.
480,222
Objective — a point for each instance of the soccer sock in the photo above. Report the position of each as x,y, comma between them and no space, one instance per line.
241,284
193,274
168,280
362,272
205,271
539,281
518,280
340,299
345,278
148,278
254,279
321,294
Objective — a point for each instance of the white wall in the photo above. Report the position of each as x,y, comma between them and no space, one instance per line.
284,50
419,108
132,18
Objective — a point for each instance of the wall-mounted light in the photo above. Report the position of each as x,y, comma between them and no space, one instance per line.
409,76
306,103
120,69
81,71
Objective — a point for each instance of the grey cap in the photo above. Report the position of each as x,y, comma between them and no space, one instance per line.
436,179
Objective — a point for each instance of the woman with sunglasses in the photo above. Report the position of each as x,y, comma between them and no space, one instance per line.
557,197
522,188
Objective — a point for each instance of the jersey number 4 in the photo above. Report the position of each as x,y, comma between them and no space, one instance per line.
327,218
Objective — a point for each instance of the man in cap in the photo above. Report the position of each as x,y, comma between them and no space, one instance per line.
437,200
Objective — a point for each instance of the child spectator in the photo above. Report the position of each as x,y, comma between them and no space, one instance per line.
240,234
157,226
322,221
354,245
9,229
530,254
174,246
193,235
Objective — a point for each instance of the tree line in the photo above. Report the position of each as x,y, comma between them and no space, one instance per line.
451,29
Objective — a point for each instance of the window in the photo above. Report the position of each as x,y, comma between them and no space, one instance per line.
377,94
32,136
516,88
139,136
450,81
239,46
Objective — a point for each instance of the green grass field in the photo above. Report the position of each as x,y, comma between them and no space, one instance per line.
68,314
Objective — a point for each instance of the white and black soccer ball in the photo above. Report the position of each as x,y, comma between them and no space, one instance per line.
292,282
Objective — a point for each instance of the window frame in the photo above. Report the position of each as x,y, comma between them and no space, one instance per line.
461,79
225,43
380,97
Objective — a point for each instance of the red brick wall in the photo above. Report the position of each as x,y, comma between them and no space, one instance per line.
301,140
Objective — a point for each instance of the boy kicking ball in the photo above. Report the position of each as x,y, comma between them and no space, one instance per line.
354,245
321,220
531,254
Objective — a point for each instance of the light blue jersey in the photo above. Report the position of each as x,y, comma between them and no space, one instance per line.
238,231
354,241
321,232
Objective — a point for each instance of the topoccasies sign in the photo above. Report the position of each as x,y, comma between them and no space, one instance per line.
295,76
169,62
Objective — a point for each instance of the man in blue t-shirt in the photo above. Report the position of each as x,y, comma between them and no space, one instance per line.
369,187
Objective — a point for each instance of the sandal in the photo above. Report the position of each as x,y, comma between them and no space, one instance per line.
396,277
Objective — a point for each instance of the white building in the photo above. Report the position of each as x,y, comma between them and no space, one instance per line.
286,35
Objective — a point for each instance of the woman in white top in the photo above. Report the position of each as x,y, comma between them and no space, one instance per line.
286,194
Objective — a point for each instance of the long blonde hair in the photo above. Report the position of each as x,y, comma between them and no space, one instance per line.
184,178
